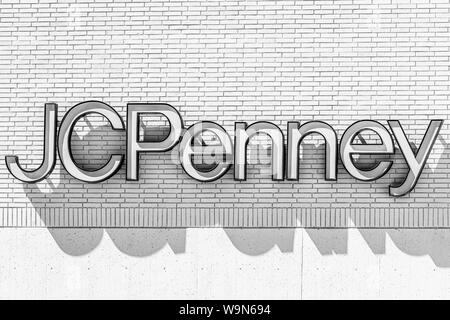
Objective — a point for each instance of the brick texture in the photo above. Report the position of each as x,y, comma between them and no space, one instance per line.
224,61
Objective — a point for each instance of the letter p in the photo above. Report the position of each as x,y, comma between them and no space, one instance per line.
135,146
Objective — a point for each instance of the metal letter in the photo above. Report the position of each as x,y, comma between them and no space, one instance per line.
297,133
348,149
135,147
49,161
64,141
243,134
416,162
223,151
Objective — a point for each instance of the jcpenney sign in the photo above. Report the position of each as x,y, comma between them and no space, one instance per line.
285,165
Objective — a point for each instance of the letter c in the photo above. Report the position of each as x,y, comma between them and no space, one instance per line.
64,141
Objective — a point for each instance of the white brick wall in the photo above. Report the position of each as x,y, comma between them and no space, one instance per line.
224,61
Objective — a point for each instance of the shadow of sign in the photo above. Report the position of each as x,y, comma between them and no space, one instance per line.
81,241
145,242
415,242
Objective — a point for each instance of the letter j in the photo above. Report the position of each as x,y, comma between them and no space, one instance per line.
48,163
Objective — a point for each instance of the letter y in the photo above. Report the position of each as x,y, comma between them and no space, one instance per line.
416,162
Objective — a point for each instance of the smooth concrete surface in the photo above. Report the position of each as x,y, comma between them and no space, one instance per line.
224,264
